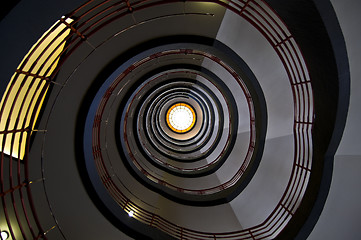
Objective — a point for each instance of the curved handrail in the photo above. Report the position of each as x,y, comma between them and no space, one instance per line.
19,110
89,19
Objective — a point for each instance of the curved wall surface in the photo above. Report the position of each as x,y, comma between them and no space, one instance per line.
90,148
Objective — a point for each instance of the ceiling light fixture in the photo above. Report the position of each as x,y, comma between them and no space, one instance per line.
181,117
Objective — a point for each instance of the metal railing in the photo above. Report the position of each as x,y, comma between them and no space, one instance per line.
19,110
88,20
277,34
97,127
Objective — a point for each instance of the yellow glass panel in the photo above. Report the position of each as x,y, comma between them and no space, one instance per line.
23,91
32,107
43,49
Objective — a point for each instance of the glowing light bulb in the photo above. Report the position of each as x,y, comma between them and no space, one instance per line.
4,235
130,213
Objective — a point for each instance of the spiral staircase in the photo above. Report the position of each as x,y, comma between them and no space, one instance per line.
180,120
